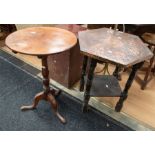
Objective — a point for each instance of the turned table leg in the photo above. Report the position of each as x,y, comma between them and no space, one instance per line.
47,94
124,94
116,72
84,67
93,63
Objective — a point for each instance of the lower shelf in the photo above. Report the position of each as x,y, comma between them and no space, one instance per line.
105,86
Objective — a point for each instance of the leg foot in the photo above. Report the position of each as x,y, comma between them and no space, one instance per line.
54,105
85,109
37,98
143,86
29,107
118,107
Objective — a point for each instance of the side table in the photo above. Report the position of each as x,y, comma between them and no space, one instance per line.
42,42
107,45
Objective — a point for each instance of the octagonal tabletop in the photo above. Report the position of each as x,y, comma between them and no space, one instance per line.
41,40
114,46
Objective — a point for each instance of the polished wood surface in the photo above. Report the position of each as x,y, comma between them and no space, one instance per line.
41,40
117,47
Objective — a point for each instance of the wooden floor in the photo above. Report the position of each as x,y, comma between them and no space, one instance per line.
140,104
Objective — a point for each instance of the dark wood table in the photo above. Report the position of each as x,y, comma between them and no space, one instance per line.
107,45
42,42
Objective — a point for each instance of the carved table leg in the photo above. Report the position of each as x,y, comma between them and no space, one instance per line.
82,82
47,94
124,94
93,63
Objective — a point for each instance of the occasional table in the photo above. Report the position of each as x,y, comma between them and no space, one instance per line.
42,42
107,45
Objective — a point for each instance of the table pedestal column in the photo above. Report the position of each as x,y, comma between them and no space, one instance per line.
47,94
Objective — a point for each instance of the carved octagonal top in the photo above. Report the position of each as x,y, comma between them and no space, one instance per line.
114,46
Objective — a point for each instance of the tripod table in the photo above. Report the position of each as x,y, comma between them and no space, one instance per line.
42,42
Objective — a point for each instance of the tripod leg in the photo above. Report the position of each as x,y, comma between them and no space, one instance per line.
37,98
54,105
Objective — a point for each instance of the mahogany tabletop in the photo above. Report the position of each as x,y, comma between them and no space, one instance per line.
114,46
41,40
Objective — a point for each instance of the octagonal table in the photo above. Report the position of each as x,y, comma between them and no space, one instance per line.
107,45
42,42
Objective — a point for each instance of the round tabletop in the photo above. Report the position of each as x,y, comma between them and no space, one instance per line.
41,40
